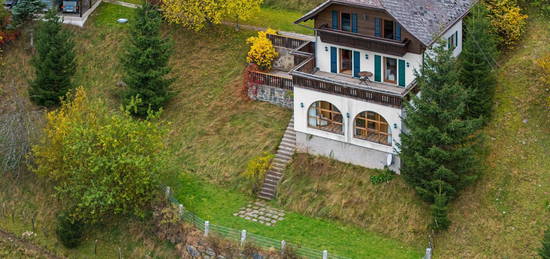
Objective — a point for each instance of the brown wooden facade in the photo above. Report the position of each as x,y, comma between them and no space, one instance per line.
365,27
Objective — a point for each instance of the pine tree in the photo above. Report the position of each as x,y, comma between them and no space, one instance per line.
145,63
544,252
54,62
476,62
440,221
26,10
437,147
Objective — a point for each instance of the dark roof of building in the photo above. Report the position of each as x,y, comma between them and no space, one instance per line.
425,19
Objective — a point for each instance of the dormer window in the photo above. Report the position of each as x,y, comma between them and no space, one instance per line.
346,22
389,29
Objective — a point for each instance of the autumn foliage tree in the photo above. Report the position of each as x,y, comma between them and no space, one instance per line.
508,21
242,9
102,162
262,52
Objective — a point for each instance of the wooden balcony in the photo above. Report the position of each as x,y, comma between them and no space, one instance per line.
278,80
306,75
354,40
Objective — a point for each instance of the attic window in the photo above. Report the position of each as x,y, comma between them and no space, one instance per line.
346,22
389,29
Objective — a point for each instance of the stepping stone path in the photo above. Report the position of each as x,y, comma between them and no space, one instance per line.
261,213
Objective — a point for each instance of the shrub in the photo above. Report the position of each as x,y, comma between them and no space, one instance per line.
256,169
385,176
103,162
440,221
542,5
544,251
262,52
507,20
544,64
69,231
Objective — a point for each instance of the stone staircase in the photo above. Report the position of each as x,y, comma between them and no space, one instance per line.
278,164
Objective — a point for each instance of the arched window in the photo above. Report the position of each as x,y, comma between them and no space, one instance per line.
325,116
373,127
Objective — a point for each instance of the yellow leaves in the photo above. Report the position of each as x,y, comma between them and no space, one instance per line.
508,21
242,9
262,52
544,64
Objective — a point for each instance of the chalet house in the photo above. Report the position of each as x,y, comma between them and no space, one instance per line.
348,93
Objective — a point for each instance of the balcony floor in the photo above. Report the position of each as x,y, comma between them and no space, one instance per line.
355,82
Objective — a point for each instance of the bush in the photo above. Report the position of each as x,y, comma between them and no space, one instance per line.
262,52
256,170
385,176
69,231
507,20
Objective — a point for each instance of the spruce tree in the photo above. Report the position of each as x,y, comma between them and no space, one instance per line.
54,62
437,147
544,252
145,63
26,10
440,221
476,62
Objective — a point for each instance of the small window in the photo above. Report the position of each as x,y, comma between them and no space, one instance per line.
389,29
451,41
390,70
373,127
325,116
346,22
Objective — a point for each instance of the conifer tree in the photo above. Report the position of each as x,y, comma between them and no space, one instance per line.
145,63
476,62
440,221
544,252
54,62
437,146
26,10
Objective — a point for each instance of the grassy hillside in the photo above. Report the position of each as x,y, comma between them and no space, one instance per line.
502,216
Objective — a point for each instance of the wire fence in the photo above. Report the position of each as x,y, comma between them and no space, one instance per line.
243,236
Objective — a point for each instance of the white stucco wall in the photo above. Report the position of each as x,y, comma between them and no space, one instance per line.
346,106
451,31
323,59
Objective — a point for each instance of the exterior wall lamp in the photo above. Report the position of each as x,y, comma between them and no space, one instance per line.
347,115
302,105
326,48
408,64
395,125
367,56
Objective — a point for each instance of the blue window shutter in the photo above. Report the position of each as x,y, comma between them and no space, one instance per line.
333,60
377,68
335,20
401,74
353,22
377,27
356,63
397,31
456,38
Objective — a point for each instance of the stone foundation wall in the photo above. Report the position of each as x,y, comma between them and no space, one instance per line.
270,94
285,61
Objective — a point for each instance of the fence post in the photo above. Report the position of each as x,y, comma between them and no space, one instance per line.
428,253
167,192
283,247
206,227
325,254
243,237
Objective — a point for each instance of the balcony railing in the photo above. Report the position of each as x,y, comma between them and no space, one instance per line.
285,41
304,76
354,40
261,78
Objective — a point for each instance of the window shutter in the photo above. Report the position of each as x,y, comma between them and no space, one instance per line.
335,20
333,60
356,63
397,31
377,68
456,38
353,22
449,43
377,27
401,75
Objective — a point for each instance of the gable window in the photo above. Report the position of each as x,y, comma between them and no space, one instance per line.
452,41
325,116
345,61
346,22
389,29
373,127
390,70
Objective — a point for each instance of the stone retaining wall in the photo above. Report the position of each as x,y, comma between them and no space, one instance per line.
270,94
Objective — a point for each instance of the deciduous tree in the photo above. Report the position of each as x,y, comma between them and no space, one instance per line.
476,63
194,14
145,63
242,9
102,162
54,62
508,21
262,52
437,146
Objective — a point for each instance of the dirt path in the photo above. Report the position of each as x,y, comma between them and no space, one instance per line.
27,245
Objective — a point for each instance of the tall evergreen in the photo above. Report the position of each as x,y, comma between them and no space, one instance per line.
476,62
145,63
544,252
436,146
26,10
54,62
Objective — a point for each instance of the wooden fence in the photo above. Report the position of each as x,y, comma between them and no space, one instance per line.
262,78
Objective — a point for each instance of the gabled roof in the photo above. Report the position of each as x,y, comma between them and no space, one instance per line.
424,19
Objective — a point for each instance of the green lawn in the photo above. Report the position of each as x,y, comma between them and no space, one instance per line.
280,19
218,206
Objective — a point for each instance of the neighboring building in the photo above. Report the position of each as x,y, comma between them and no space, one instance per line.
335,113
